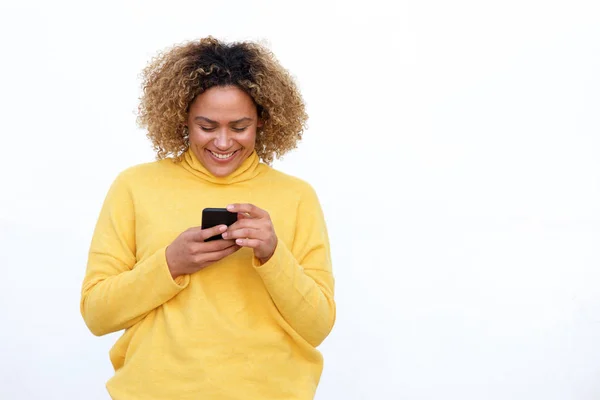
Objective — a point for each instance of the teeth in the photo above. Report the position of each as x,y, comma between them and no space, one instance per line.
222,156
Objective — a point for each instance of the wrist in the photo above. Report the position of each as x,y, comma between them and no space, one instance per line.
173,270
264,260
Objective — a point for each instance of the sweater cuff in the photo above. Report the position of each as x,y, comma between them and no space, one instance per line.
271,270
160,276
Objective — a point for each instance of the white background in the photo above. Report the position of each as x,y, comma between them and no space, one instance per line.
454,144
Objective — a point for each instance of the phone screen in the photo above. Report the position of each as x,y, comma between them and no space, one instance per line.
217,216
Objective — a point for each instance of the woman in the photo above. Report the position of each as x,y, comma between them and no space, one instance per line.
235,318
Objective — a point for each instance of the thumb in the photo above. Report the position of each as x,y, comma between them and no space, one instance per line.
204,234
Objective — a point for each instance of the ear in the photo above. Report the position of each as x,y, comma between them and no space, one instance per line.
260,123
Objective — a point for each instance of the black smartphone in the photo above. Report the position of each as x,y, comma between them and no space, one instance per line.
217,216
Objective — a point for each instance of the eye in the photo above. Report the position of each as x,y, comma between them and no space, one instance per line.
207,129
239,129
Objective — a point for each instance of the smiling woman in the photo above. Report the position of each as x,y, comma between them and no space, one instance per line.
239,317
174,79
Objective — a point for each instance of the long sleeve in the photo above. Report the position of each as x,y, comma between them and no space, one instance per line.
300,279
118,290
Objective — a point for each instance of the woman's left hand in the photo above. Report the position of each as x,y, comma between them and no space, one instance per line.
253,229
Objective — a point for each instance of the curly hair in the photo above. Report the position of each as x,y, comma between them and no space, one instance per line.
173,79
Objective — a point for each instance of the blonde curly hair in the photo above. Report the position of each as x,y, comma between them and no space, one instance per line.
173,79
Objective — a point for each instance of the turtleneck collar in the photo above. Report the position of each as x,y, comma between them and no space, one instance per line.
249,168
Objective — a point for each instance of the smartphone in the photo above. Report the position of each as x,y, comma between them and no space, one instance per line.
217,216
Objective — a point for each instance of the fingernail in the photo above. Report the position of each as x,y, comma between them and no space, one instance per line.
230,207
239,241
225,235
223,228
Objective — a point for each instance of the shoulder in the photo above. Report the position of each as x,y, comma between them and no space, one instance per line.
139,178
286,179
291,184
139,173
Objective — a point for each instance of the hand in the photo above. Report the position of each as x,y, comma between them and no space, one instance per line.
189,253
253,229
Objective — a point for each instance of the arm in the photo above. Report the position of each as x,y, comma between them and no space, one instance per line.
118,291
300,279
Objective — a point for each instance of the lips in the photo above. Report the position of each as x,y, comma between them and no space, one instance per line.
222,156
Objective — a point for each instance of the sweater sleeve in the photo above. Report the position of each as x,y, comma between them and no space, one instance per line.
300,279
118,290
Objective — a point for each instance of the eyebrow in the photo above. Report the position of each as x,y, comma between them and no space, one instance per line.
210,121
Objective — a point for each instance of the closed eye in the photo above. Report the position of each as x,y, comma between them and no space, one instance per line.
212,128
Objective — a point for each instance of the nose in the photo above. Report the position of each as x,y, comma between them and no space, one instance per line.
222,139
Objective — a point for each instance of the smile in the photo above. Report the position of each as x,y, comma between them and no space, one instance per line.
221,156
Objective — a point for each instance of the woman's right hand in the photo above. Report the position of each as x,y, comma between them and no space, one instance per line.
190,253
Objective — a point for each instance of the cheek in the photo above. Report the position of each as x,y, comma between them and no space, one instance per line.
199,138
248,139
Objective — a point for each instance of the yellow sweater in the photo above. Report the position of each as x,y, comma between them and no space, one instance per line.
234,330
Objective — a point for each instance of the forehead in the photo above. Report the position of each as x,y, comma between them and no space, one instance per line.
223,104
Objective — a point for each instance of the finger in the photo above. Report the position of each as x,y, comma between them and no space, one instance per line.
245,233
217,255
251,243
213,245
250,209
207,233
244,223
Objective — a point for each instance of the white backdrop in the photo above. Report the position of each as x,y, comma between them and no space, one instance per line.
454,144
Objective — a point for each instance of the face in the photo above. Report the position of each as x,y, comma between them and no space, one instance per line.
222,124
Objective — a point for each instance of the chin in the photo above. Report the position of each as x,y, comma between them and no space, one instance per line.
220,172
